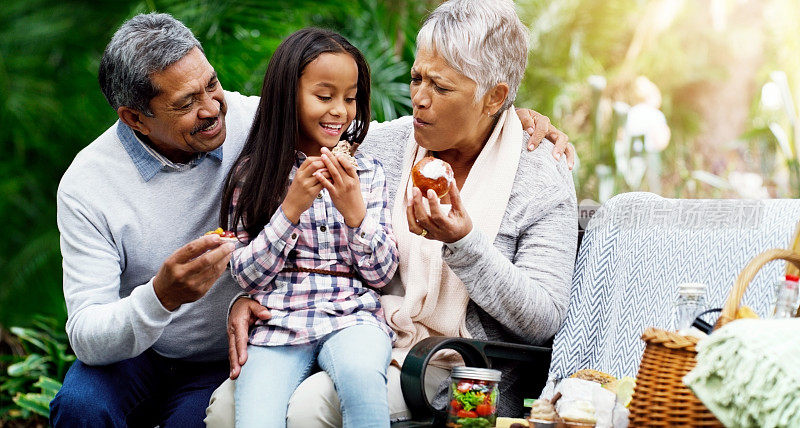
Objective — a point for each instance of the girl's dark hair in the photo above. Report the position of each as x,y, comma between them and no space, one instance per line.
263,167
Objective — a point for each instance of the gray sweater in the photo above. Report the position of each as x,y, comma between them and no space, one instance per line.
518,284
121,214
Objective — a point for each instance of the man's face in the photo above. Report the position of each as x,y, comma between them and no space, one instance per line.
189,111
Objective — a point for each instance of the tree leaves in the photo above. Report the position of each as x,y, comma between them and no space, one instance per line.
34,402
33,379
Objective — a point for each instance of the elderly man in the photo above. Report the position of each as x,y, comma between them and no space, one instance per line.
145,291
147,321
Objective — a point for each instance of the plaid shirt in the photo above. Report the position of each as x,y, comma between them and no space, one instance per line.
307,306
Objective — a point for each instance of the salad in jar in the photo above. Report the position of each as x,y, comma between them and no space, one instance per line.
473,398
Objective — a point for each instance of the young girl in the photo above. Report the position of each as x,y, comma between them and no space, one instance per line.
316,234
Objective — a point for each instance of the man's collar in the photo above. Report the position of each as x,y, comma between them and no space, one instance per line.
147,160
216,153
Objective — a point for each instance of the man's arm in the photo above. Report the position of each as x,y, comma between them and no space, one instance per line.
104,328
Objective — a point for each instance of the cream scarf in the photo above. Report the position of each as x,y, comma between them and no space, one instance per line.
435,300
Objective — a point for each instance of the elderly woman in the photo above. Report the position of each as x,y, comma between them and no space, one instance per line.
493,259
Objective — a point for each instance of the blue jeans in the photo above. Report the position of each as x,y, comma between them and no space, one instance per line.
356,359
147,390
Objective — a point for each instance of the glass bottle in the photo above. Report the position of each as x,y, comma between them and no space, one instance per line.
691,301
786,297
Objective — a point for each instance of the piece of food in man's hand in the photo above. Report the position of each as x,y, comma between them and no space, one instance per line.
432,173
344,148
224,235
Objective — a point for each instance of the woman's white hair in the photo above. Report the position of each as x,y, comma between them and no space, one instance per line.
481,39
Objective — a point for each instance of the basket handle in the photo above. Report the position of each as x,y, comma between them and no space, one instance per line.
790,268
748,273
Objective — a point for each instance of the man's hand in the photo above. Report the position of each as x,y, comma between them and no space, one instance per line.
244,313
538,126
190,271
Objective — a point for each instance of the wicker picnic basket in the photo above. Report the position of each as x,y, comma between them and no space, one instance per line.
661,399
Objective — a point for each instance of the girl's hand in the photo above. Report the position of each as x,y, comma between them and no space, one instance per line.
437,225
304,188
344,188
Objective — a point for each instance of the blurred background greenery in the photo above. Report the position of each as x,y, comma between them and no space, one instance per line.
685,98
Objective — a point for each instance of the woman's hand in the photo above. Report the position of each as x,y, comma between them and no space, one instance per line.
538,126
344,187
437,225
304,188
244,313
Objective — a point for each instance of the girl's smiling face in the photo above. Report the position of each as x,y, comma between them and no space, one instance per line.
326,101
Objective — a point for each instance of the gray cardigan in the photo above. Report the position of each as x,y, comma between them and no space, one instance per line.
518,284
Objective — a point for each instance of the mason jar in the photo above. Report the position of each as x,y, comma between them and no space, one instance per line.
473,397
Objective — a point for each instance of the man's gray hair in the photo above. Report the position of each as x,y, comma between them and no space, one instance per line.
145,44
481,39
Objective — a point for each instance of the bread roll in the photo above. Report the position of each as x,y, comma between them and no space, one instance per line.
594,376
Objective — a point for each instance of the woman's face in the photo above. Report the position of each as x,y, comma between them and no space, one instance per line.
446,115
